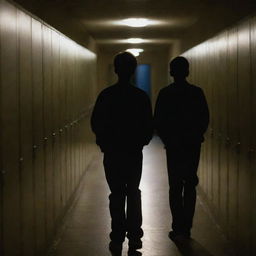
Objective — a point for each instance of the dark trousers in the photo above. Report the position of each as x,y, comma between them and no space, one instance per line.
123,173
182,164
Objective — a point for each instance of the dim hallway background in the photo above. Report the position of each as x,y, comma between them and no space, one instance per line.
56,56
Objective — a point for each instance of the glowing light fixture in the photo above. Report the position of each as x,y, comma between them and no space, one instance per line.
135,40
136,22
135,51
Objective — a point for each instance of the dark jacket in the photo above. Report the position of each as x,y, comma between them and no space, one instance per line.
181,114
122,119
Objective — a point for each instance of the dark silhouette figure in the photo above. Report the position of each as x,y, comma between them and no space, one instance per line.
122,122
181,118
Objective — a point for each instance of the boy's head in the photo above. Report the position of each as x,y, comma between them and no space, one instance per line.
179,67
125,64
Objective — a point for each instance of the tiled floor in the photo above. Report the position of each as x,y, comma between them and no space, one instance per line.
87,225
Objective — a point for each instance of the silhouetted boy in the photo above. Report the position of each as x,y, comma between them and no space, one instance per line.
181,119
122,122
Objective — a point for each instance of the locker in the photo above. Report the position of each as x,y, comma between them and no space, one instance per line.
208,95
56,123
227,155
244,91
48,127
200,70
10,129
38,134
76,97
63,121
209,134
222,131
215,124
45,85
1,159
42,170
69,119
205,87
253,118
26,138
232,133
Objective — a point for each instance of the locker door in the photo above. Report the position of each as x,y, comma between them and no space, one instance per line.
209,139
63,129
26,132
10,129
222,131
208,94
244,91
38,135
56,123
215,112
253,143
68,119
48,122
232,134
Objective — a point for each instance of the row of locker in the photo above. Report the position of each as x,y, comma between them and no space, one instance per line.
47,85
35,196
225,67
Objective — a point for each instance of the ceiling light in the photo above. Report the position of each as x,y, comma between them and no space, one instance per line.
135,51
136,22
135,40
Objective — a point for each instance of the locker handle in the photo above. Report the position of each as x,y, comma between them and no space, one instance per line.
228,142
211,132
238,147
34,151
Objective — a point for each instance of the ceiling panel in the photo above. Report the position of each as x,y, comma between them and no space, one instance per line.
187,21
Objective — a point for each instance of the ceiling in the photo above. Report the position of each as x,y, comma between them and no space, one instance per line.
184,21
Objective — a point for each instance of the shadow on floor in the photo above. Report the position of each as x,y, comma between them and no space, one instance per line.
134,253
130,253
192,248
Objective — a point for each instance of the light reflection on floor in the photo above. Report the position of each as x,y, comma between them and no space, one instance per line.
88,223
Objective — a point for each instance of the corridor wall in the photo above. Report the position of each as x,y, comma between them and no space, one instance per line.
47,86
225,67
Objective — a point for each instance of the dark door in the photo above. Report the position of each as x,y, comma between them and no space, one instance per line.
143,78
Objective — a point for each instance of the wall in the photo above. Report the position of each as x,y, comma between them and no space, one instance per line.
47,85
225,67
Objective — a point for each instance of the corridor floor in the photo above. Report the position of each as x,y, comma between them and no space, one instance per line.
86,227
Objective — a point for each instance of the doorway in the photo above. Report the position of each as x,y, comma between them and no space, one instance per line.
143,78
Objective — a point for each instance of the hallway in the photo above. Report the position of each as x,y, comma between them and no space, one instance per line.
56,56
86,227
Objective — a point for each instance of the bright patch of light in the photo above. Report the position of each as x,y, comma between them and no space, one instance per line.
135,51
136,22
135,40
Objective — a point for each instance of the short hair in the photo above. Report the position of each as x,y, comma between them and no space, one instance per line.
125,61
179,66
